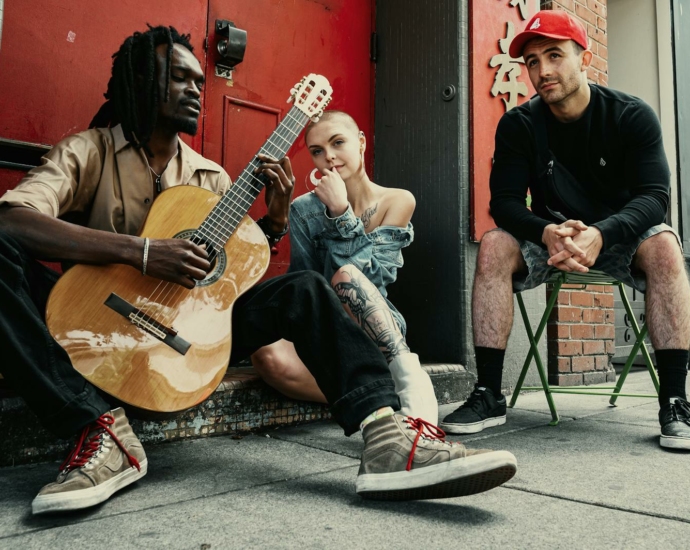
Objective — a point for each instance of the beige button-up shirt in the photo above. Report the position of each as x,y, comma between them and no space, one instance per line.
98,179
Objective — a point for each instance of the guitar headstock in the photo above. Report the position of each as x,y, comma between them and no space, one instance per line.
311,95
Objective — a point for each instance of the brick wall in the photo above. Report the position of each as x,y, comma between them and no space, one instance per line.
592,13
581,329
581,336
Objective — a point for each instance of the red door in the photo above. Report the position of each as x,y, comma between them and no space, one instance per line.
285,41
57,92
55,61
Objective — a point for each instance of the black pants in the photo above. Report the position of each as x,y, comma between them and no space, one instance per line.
299,307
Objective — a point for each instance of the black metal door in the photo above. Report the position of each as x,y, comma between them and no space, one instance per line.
419,118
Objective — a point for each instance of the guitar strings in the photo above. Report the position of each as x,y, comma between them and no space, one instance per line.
224,209
229,207
216,216
160,297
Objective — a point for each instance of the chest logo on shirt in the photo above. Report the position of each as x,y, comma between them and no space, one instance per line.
536,24
602,162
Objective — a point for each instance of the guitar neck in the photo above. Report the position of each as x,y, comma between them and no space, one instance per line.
222,221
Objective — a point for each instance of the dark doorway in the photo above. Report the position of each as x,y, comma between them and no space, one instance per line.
420,107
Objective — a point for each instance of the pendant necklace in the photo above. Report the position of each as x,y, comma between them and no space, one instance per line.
158,178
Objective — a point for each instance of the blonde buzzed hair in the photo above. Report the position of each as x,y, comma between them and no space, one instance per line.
329,115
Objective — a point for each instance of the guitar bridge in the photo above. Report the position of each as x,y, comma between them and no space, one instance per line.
145,322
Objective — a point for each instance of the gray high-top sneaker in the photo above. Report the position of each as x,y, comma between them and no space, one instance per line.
107,457
401,462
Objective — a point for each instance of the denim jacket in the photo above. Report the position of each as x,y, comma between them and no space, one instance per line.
324,244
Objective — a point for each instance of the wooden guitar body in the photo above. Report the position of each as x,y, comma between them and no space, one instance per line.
125,358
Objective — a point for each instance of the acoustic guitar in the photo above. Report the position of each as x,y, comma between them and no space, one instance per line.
156,345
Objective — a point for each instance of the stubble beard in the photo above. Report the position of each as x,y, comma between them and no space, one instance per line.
567,88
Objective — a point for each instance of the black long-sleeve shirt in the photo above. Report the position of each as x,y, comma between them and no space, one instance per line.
614,150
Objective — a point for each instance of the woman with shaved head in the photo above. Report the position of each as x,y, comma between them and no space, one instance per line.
352,231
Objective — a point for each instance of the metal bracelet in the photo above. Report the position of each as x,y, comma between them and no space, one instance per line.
146,255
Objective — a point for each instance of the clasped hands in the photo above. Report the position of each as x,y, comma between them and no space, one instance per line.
572,245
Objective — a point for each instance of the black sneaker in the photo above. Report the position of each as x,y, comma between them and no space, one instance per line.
674,418
481,410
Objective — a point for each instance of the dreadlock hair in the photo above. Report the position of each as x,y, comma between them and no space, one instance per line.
133,90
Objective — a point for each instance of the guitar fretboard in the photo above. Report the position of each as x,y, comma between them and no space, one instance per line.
222,221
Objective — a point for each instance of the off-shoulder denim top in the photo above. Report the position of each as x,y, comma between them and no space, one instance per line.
323,244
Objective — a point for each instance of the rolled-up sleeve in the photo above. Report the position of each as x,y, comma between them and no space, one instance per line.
64,181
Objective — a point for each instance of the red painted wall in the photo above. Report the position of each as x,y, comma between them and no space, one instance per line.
492,69
56,57
329,37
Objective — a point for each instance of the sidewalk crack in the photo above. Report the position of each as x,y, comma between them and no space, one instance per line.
598,504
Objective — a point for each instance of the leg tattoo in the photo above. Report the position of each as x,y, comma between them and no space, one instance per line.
370,311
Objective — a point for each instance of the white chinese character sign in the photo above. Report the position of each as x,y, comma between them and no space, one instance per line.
498,83
506,80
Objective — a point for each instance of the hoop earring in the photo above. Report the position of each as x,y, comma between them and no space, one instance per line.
313,179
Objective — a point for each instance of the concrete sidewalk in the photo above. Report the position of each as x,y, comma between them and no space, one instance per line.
598,480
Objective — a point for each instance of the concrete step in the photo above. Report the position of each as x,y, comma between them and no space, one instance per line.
242,403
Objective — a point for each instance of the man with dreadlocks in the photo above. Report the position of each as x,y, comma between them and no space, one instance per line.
86,202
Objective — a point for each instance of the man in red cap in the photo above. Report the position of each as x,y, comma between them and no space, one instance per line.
594,163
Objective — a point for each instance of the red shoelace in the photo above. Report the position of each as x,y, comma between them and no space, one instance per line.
433,432
86,447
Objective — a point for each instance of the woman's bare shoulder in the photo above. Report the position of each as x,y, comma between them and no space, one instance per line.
399,206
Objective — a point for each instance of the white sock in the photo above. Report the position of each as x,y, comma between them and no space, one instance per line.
414,388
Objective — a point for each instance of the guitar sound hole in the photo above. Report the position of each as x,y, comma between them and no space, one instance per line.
218,258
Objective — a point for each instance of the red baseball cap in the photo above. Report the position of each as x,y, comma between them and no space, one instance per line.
555,24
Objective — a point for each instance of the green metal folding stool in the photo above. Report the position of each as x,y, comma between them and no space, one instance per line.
591,278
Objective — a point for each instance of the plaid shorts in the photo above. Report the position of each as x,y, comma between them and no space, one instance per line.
615,262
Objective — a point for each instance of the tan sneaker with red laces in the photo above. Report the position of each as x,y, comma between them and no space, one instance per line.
106,457
408,458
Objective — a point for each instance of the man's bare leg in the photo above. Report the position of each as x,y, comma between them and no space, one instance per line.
364,303
668,317
492,294
492,319
667,302
667,298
